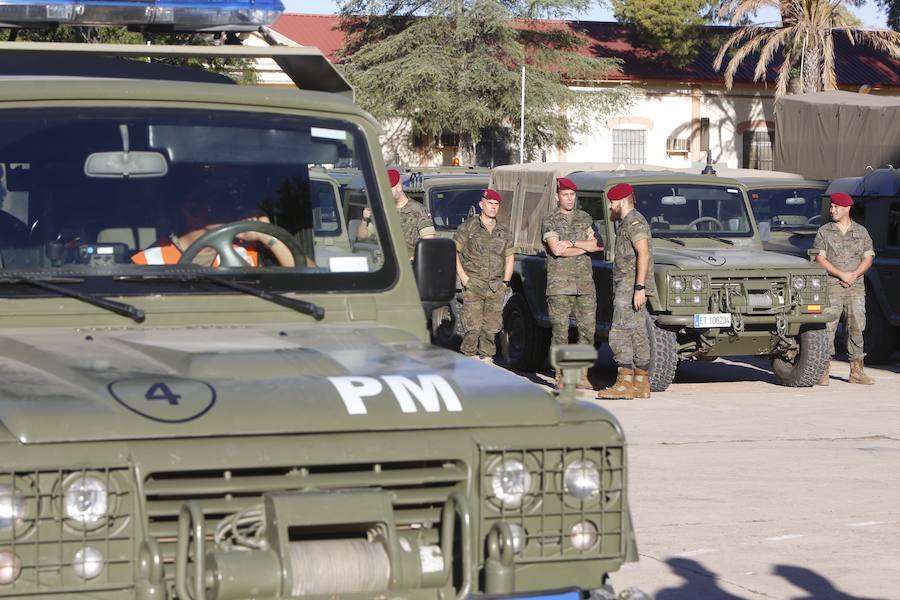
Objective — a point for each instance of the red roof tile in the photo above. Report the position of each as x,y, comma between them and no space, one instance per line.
856,64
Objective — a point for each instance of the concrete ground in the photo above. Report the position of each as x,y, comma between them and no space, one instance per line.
742,489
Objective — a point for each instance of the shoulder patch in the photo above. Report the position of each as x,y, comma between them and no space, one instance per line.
636,222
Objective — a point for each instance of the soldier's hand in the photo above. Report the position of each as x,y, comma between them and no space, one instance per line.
367,213
640,298
846,278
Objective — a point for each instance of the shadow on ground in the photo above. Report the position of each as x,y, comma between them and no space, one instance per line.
702,584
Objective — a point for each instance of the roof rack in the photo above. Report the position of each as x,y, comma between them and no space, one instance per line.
307,67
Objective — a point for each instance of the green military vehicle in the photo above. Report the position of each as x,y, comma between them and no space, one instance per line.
876,206
788,212
720,294
170,428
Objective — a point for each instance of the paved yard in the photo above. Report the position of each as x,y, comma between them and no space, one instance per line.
741,489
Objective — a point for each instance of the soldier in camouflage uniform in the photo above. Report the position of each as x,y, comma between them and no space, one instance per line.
633,283
569,237
414,218
846,252
484,264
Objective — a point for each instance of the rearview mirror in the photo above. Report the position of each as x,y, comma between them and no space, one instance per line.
795,201
123,165
673,200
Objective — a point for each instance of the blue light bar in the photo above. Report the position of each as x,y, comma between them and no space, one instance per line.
177,15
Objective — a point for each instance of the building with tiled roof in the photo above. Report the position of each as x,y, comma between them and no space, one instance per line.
678,111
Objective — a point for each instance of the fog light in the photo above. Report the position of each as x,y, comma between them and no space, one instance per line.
10,567
583,535
87,563
519,537
696,299
677,299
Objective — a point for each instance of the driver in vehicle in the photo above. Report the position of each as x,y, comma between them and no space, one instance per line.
197,212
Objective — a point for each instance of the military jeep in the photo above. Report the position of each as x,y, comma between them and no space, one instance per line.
720,294
876,206
203,429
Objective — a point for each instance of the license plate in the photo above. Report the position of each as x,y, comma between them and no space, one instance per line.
712,320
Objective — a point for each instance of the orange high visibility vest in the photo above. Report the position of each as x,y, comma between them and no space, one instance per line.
169,254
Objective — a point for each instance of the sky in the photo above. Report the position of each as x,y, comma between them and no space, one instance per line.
870,13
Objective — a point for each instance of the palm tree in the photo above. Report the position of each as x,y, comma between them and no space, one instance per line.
805,37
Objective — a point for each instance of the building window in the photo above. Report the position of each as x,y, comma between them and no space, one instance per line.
758,153
629,146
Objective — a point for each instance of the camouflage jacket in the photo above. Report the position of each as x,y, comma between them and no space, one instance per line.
568,275
416,224
844,250
632,228
483,253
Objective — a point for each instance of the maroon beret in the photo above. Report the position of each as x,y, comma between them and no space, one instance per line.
841,199
564,183
619,191
393,176
490,194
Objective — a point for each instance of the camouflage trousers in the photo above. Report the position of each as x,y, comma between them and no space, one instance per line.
628,336
849,306
481,318
560,309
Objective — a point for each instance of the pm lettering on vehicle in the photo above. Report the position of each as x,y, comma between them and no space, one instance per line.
428,391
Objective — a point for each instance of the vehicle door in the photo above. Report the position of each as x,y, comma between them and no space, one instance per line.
593,204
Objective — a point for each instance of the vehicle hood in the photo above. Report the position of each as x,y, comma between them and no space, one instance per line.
725,258
795,244
69,385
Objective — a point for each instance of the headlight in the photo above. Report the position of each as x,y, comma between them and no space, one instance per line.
696,284
583,535
798,283
678,284
582,479
86,500
815,283
12,507
510,481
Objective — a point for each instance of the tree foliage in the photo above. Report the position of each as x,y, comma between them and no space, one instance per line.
673,25
242,70
892,7
454,66
804,39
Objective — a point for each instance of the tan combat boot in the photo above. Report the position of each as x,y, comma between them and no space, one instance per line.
641,383
622,388
825,376
558,380
585,383
858,375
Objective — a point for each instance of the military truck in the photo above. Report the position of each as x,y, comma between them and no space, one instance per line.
206,430
720,294
876,206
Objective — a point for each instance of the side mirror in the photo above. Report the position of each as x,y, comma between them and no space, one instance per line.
812,253
435,270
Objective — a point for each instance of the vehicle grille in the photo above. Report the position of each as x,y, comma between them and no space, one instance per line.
44,542
548,513
750,296
419,490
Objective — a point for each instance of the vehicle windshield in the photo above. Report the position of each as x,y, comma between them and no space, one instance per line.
451,206
107,193
783,209
675,210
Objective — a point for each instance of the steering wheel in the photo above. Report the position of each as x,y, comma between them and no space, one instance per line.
221,239
814,220
693,224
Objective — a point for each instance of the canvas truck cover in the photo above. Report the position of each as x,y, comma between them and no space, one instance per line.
827,135
529,193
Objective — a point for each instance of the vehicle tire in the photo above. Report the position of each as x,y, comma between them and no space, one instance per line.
663,356
526,343
880,337
808,366
446,327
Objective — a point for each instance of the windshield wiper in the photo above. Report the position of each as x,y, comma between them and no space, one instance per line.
670,239
718,239
49,284
301,306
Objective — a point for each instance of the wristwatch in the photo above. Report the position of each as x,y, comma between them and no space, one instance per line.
506,282
639,287
572,242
